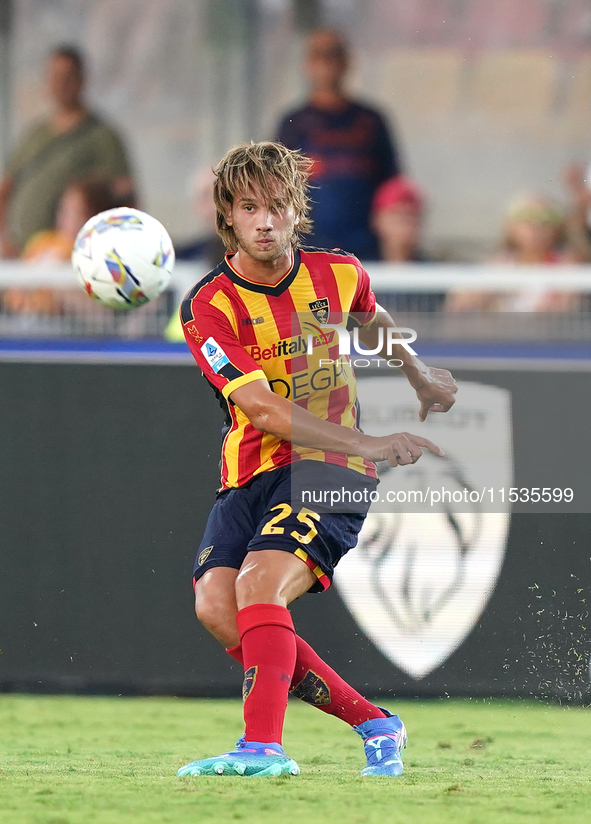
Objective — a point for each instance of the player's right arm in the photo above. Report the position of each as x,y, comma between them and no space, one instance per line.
211,336
277,416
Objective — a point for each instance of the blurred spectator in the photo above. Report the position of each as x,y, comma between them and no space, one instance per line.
577,179
397,219
73,143
535,234
208,246
78,203
350,145
207,249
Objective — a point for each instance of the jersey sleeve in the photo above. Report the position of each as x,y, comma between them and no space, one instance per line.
364,307
213,343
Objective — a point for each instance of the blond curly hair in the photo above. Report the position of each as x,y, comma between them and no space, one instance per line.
278,173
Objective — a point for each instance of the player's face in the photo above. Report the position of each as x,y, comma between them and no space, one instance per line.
264,230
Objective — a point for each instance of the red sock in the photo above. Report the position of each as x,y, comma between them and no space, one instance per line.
269,652
318,684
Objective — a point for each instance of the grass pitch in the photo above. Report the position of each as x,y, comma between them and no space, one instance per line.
74,760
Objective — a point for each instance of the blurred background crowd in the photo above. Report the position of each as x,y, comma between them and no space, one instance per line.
442,131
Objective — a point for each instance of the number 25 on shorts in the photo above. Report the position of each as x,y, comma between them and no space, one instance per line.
304,516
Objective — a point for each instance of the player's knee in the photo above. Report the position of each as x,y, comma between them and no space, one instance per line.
254,586
221,622
208,613
272,577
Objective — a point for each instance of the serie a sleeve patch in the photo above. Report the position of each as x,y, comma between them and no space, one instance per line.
214,355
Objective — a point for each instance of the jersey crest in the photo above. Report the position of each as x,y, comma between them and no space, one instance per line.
320,309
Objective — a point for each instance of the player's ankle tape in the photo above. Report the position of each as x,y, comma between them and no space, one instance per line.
261,615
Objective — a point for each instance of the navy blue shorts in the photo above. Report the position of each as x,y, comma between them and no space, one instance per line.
288,509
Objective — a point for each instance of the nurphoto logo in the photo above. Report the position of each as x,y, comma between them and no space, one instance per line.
388,338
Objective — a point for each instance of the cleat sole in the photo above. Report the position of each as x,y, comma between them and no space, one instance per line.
188,770
239,768
387,771
287,768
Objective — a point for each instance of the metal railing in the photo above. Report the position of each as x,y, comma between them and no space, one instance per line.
46,301
418,296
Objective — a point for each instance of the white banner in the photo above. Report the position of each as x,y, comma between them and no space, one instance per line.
419,580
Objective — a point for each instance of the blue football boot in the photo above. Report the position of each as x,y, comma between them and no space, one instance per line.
249,758
383,741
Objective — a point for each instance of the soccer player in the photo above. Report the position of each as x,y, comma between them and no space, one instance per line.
291,426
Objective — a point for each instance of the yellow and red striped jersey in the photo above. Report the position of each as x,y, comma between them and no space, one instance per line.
241,331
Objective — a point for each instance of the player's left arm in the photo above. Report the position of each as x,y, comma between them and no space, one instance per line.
435,388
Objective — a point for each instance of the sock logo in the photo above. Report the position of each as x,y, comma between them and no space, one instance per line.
250,676
312,689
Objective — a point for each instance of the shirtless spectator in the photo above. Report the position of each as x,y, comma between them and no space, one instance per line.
535,235
73,143
350,144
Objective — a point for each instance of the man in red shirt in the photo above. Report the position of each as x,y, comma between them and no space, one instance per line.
291,425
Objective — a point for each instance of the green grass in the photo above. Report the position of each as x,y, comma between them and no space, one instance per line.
67,760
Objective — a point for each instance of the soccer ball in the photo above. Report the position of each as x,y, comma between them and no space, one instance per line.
123,258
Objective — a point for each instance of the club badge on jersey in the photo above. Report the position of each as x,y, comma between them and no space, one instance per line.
320,309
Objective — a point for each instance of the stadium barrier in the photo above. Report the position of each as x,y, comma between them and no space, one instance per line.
109,466
57,307
414,294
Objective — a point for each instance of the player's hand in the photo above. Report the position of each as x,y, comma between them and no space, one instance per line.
436,389
401,448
